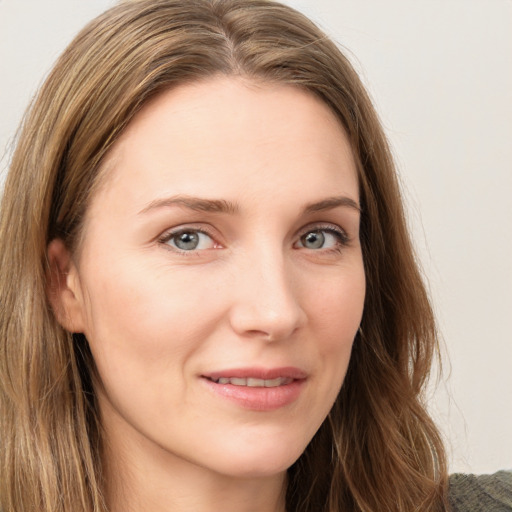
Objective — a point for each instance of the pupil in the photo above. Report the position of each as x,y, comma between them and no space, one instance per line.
314,240
187,241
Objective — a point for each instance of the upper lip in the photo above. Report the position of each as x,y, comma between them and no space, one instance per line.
288,372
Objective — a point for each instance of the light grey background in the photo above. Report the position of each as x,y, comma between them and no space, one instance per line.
440,73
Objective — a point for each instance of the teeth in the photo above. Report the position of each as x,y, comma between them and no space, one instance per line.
272,383
254,383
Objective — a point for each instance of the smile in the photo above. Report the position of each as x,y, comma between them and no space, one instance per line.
253,382
257,389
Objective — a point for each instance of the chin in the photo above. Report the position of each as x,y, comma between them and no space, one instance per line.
259,459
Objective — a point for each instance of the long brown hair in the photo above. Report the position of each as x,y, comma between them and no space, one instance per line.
378,449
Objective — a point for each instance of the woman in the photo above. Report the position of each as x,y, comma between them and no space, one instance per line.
215,302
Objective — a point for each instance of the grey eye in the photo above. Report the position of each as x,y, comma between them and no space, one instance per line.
191,240
323,238
187,241
313,240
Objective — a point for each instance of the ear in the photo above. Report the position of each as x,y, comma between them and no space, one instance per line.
63,289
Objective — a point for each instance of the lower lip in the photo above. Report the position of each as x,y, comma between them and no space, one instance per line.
258,398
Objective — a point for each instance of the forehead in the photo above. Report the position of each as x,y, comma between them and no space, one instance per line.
226,137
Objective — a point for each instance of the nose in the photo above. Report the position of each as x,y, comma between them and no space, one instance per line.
266,301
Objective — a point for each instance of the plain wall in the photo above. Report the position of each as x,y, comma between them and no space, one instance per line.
440,73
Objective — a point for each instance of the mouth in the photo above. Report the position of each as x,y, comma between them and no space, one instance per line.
257,389
252,382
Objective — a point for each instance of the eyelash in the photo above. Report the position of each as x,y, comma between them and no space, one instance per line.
169,235
341,236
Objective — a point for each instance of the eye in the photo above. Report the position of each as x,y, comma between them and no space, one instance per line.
324,238
189,240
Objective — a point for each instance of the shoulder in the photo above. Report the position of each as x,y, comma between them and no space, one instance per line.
481,493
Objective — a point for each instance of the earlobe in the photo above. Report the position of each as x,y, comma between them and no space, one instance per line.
63,287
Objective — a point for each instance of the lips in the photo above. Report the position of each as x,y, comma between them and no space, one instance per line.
257,389
253,382
285,372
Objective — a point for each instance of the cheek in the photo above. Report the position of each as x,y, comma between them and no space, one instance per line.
337,308
339,312
146,328
140,315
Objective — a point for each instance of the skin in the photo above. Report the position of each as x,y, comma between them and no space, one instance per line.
271,284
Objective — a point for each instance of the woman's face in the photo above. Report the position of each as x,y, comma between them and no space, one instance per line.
220,281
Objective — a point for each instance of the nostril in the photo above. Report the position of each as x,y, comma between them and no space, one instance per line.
262,334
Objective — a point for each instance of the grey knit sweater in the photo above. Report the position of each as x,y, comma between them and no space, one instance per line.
482,493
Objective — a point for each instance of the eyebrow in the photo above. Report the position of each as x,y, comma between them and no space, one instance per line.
223,206
331,203
194,203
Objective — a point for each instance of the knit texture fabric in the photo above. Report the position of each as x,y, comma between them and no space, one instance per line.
481,493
